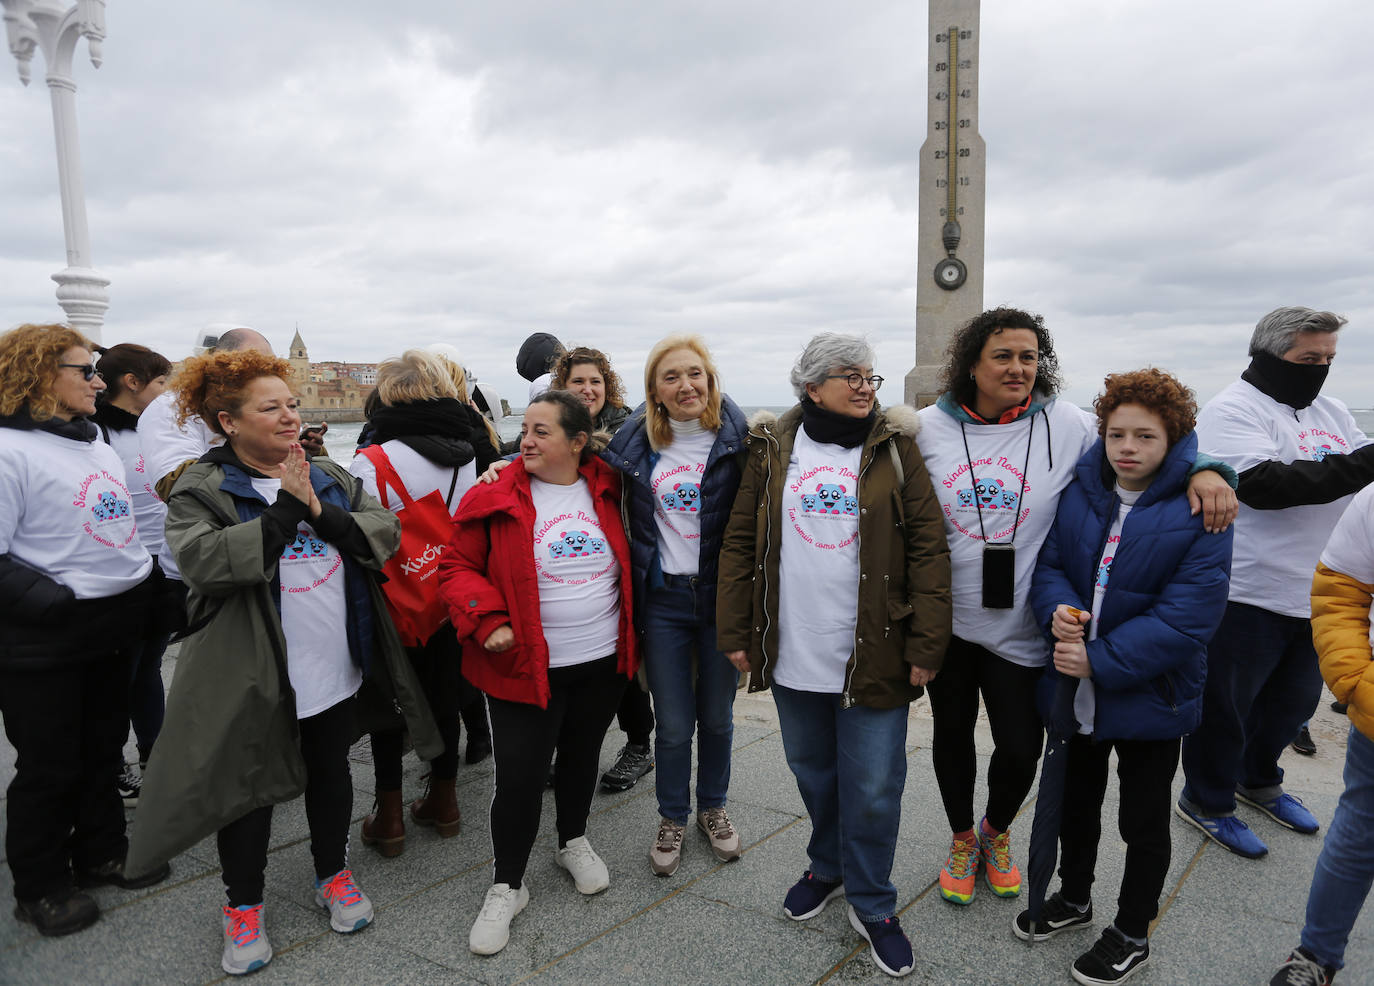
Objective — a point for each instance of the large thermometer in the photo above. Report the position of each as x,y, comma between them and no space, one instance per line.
950,273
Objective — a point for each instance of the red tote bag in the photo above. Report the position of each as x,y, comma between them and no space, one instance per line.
412,586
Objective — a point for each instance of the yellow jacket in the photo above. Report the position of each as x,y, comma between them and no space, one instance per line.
1340,632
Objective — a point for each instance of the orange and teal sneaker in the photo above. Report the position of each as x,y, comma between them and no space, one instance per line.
959,875
1002,875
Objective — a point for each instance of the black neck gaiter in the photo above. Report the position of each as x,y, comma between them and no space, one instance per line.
1294,384
830,428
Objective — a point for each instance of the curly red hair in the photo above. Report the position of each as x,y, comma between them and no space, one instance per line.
1156,391
29,356
218,382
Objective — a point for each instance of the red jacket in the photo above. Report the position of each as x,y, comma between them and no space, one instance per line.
487,579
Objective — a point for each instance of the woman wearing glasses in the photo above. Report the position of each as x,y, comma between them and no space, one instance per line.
76,592
834,592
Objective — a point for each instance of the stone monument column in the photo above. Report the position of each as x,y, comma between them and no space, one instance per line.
949,254
55,27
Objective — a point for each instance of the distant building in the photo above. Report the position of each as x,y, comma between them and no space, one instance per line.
329,390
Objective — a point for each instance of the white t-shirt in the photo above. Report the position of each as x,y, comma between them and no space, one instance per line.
420,476
1276,551
65,511
1350,550
1085,699
166,445
314,617
1062,432
150,513
579,577
818,565
676,485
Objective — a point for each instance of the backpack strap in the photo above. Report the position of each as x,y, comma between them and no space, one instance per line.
897,464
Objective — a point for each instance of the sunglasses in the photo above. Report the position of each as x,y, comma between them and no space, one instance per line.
88,370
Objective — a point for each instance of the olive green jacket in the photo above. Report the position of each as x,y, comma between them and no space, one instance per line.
230,741
905,613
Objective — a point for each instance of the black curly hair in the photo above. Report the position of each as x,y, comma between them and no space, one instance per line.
966,348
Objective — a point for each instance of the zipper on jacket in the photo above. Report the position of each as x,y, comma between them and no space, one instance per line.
846,701
767,543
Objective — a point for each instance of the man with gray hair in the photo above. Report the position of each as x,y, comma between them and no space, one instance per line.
1300,458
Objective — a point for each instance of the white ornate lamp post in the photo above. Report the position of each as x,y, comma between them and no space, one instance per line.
56,26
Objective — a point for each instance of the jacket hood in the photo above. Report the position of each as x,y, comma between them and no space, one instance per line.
1099,481
950,406
536,355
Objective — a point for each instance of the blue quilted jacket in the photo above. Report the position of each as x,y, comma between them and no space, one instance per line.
1165,596
631,453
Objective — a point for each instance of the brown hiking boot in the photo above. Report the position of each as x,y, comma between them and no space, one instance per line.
439,808
385,828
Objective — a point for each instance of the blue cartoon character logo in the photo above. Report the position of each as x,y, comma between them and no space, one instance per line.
829,496
1322,451
1104,571
596,546
557,549
808,502
850,506
110,507
965,498
305,546
577,544
1009,499
684,497
989,493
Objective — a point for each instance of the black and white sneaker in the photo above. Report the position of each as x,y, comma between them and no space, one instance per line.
1056,915
130,784
1113,959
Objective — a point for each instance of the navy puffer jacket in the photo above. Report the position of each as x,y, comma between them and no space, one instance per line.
1165,595
631,453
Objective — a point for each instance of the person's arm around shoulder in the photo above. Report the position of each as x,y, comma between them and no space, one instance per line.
926,549
738,556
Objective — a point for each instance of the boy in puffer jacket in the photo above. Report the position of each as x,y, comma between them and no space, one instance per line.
1342,591
1125,548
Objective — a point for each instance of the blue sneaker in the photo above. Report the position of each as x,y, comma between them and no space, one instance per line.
1287,810
809,895
1227,831
890,947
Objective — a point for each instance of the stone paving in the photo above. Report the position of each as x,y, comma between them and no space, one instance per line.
1224,919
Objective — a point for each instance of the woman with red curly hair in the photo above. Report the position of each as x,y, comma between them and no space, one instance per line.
279,553
76,594
1129,588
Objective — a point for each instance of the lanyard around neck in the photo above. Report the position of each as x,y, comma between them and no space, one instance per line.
1021,497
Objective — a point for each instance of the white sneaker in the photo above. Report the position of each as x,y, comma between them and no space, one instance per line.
246,948
491,931
588,871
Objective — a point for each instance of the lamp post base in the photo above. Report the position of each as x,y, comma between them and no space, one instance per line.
84,295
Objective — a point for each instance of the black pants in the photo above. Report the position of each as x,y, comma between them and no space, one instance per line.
636,714
1008,692
582,702
67,726
1146,769
325,739
436,664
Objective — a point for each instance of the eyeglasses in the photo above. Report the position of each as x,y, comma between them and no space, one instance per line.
88,370
857,380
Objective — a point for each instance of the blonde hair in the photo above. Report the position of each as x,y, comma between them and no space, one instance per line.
29,356
656,424
415,375
460,384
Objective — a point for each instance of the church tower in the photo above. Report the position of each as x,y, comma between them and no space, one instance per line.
300,362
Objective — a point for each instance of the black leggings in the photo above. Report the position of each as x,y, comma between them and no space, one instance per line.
436,664
1009,694
325,739
636,714
582,701
1146,769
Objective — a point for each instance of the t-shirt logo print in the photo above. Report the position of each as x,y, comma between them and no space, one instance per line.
684,497
577,544
1104,572
830,498
990,495
108,506
305,546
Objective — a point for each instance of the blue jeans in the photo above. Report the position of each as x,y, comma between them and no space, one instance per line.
693,687
1262,683
850,766
1345,868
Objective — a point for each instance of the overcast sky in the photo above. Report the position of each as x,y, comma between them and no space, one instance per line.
1160,174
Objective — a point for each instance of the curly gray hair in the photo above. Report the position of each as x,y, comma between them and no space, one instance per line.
826,353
